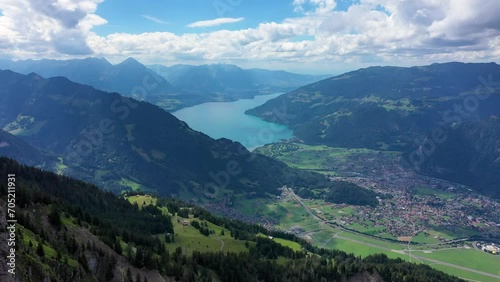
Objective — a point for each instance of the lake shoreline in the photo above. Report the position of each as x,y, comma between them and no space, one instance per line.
228,120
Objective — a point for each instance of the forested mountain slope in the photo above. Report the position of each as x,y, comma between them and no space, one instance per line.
125,144
401,109
68,230
129,78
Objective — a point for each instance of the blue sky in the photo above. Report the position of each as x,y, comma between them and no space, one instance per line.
307,36
174,15
133,16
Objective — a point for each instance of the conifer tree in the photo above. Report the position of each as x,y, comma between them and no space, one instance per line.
39,250
54,217
128,277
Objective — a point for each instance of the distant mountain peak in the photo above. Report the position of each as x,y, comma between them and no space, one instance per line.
228,80
98,60
99,73
34,75
130,61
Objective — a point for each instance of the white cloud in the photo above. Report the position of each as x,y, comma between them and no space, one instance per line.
44,28
156,20
403,33
466,18
318,6
215,22
319,37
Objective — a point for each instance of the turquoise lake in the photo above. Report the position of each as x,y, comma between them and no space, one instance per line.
228,120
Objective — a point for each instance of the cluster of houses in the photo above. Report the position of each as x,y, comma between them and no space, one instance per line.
451,206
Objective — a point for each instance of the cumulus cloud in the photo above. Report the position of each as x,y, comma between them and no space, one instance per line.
368,32
416,29
215,22
40,28
468,18
314,6
65,13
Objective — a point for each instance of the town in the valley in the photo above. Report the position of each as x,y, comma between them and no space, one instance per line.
417,205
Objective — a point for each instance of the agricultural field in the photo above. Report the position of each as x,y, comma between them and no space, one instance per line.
470,258
429,239
60,166
294,217
425,191
318,158
464,274
311,223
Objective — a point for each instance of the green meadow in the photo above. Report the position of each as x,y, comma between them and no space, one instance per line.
190,239
293,215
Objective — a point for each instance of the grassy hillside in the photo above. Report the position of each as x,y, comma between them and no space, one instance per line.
383,107
189,238
412,110
68,230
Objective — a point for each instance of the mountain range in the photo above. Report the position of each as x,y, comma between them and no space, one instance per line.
445,129
422,111
191,85
124,144
230,82
129,78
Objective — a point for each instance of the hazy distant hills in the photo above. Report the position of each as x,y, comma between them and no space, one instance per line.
129,78
394,108
191,85
230,82
122,143
99,73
